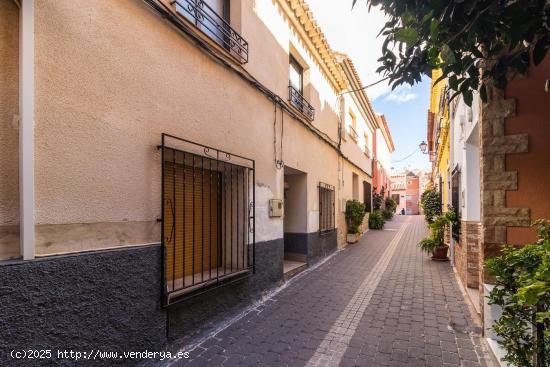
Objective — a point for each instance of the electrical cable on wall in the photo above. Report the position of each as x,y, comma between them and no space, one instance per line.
279,163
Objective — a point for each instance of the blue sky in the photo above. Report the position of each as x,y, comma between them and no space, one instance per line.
353,32
406,111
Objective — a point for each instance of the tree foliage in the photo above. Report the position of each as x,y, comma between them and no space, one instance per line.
460,38
522,290
390,204
431,204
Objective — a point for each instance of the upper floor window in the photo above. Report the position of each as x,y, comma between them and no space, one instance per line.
296,75
367,150
353,126
296,89
213,18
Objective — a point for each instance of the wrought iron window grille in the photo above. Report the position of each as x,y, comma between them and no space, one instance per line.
327,213
300,103
353,133
208,218
367,196
214,26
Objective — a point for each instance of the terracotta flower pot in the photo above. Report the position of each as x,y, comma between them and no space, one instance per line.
353,237
440,253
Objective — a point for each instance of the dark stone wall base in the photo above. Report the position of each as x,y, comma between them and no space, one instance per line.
320,245
296,243
111,301
314,245
105,300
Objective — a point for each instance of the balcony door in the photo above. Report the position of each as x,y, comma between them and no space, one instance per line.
210,16
296,75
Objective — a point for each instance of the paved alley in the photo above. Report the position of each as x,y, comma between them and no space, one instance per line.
377,303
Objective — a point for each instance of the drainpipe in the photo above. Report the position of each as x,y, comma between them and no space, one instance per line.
26,129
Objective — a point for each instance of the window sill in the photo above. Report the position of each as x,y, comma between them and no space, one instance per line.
191,291
326,231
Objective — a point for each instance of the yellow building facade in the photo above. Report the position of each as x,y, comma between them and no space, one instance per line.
439,142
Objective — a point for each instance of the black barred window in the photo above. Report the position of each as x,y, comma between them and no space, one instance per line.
207,217
367,196
326,208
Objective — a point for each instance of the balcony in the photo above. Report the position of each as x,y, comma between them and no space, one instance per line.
367,152
353,133
214,26
297,100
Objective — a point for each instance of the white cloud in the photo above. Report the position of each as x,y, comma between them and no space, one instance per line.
400,97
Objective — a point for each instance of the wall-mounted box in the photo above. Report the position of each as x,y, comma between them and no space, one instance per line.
343,204
275,208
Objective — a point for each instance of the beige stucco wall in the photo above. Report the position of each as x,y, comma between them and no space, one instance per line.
108,87
105,91
110,78
9,136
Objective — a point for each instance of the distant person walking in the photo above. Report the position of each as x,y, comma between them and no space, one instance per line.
402,211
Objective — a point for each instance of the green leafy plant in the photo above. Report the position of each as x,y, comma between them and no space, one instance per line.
522,290
391,204
461,38
431,204
355,212
428,245
387,214
376,221
454,218
378,199
437,232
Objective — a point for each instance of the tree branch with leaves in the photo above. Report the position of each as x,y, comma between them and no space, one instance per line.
499,37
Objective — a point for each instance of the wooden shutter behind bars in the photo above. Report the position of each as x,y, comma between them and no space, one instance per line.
191,223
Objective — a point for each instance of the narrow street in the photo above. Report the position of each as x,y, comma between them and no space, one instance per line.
380,302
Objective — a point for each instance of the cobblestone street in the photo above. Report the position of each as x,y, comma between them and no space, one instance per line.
377,303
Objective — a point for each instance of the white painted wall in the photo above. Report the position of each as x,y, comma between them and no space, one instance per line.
464,140
355,151
383,151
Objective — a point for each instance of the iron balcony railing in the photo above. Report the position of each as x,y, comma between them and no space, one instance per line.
213,25
353,133
208,220
367,152
297,100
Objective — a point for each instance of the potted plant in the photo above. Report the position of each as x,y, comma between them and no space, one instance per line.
431,204
355,212
391,206
434,244
376,220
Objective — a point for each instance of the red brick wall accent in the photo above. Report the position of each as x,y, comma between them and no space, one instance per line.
467,253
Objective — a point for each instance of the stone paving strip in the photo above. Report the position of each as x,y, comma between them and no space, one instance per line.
335,343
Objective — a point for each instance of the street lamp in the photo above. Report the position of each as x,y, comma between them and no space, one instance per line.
423,147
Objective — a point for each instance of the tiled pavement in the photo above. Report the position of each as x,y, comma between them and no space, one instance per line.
377,303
